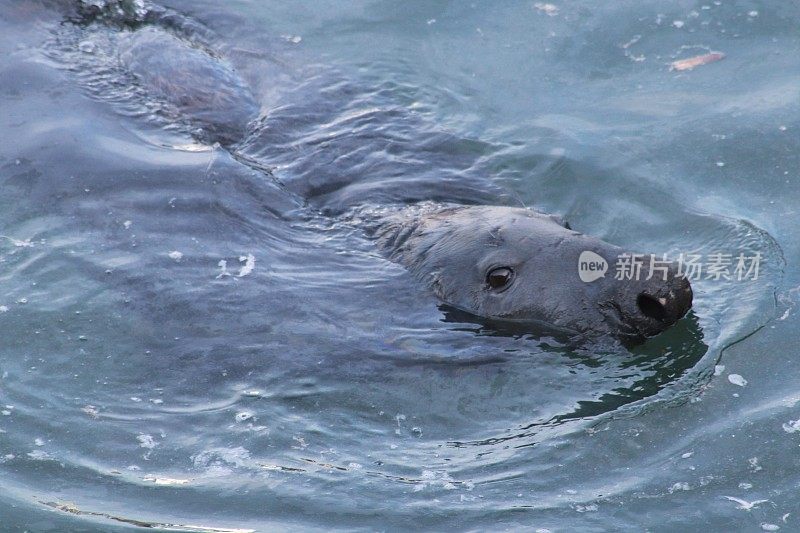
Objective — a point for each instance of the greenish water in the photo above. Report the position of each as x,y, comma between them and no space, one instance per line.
317,386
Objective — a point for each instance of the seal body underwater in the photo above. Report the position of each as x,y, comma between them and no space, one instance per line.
198,85
492,261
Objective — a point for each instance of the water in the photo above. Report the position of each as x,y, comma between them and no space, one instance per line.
191,341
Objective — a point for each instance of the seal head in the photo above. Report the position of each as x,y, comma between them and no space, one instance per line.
516,264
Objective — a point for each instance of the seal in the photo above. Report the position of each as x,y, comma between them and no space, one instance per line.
492,261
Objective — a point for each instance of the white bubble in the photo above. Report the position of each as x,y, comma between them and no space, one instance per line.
38,455
586,508
243,415
548,9
249,264
146,441
792,426
681,485
223,266
165,480
737,379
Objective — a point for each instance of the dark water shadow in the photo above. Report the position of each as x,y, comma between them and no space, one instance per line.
654,364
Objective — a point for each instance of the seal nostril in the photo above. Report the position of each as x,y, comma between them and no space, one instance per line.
651,307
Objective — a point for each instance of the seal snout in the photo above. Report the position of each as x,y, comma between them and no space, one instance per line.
652,307
660,308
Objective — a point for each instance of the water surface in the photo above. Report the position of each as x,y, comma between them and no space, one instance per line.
190,339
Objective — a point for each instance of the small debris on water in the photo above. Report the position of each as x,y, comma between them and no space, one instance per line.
146,441
792,426
744,504
737,379
243,415
176,255
586,508
165,480
681,485
249,264
769,527
435,479
38,455
548,9
696,61
223,266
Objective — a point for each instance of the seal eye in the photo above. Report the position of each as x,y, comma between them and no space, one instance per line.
499,277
